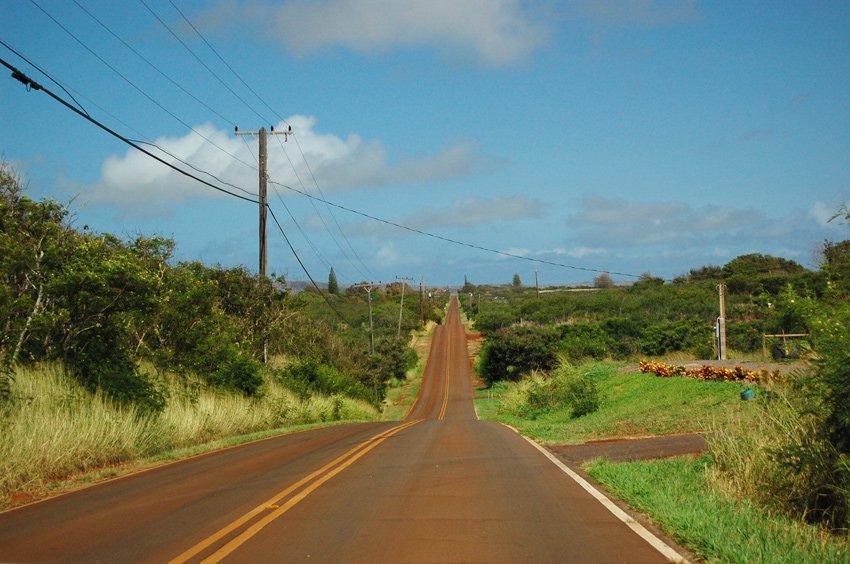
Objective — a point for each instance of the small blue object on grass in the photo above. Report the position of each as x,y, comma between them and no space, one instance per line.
748,394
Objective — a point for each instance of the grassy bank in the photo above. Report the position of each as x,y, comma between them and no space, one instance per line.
55,430
631,404
717,527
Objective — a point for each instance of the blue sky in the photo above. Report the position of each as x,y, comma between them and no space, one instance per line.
622,136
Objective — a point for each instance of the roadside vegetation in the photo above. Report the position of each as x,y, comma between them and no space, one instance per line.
774,483
111,350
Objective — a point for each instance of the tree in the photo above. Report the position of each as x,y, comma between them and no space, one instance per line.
603,281
517,281
333,285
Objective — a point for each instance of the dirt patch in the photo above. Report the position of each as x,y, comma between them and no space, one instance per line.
624,450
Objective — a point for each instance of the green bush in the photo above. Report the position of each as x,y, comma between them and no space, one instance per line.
307,377
583,340
100,361
565,389
236,371
509,353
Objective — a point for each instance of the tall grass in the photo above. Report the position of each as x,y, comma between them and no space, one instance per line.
55,429
775,455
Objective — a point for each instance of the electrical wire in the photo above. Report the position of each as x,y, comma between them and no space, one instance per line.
45,73
33,85
322,218
137,88
197,58
304,268
301,230
298,144
453,241
152,65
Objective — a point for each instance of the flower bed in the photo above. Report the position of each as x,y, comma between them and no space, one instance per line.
710,373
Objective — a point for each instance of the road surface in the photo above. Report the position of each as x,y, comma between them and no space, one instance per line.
440,486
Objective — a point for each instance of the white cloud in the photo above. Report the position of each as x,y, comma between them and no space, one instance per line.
473,211
576,252
491,32
134,179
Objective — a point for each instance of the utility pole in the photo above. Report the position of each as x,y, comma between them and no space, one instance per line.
537,284
404,280
721,324
262,160
368,287
422,300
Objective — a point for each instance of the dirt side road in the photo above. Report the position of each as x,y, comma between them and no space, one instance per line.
438,487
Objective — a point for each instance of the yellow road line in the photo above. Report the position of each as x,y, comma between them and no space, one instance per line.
332,468
448,377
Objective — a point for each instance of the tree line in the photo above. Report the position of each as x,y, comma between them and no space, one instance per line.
121,313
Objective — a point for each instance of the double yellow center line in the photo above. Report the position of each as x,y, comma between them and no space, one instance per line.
256,519
448,377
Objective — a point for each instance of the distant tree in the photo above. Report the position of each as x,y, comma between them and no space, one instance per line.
517,281
756,264
648,279
333,285
708,272
603,281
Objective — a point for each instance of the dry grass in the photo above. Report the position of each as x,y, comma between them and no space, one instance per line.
55,429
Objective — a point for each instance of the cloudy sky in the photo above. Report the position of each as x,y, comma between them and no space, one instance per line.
619,135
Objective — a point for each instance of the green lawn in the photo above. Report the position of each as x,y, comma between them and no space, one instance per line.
632,405
715,526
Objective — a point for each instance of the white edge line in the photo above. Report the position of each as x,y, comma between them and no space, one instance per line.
653,540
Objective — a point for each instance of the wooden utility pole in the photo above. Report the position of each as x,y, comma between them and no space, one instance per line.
404,280
721,324
422,300
368,288
262,161
537,284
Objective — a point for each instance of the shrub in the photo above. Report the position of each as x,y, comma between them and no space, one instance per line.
514,351
101,361
583,340
567,388
237,372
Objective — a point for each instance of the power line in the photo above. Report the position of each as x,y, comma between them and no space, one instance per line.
137,88
45,73
33,85
453,241
321,217
304,268
119,120
298,144
301,230
197,58
152,65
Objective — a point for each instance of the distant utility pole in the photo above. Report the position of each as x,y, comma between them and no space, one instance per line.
421,300
404,280
263,195
368,287
721,324
537,284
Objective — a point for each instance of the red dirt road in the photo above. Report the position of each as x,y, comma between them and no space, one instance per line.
439,487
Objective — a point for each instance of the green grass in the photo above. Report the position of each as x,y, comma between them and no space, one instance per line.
675,493
632,405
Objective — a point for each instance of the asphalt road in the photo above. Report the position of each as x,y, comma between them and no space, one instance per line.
440,486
